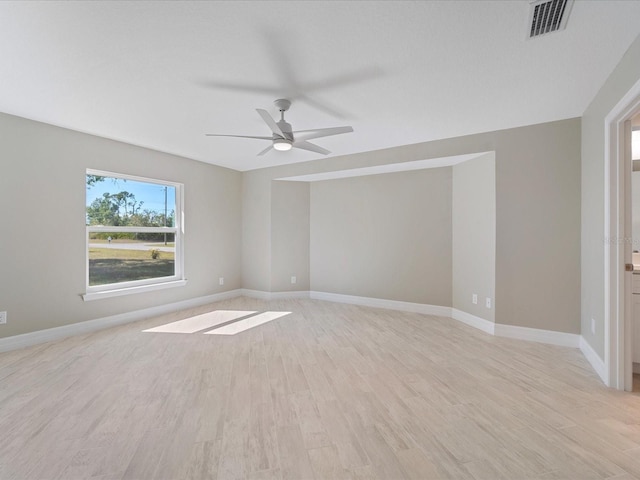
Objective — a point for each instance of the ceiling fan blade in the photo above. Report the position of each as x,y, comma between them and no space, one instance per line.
364,74
270,147
270,121
304,145
237,136
282,52
323,107
239,87
320,132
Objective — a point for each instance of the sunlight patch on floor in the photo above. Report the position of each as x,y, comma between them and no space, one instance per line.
201,322
246,323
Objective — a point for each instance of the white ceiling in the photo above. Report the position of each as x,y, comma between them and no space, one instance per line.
157,74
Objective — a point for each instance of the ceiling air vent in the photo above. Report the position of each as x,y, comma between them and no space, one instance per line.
546,16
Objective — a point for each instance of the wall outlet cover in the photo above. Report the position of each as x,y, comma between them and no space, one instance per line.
293,279
221,280
474,298
488,302
3,317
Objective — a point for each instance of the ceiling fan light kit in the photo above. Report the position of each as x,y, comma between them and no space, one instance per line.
283,138
282,144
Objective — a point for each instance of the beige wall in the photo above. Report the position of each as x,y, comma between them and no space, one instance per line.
230,226
289,236
256,230
537,217
474,235
42,232
624,76
384,236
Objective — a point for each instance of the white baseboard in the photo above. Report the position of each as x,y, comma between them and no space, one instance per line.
550,337
521,333
593,358
262,295
56,333
383,303
259,294
473,321
299,294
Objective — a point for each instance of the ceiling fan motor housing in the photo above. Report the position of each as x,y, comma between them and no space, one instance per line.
285,127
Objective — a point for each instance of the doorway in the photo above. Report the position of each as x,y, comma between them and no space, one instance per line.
620,338
634,334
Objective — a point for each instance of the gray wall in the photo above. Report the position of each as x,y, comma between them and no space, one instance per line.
474,235
537,217
384,236
42,232
624,76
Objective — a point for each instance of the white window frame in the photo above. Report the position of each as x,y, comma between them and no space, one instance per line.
138,286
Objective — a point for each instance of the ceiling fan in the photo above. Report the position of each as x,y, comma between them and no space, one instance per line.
284,138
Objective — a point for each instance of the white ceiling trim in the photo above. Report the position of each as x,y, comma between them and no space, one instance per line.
388,168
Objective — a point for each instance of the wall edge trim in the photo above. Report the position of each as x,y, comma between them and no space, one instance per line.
550,337
263,295
474,321
593,358
382,303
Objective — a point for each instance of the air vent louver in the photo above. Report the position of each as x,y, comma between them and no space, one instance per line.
546,16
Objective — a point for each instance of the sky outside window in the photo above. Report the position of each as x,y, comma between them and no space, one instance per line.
151,194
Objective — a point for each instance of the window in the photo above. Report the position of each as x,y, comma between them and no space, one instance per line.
133,234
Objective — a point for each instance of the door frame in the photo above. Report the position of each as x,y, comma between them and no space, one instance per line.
617,242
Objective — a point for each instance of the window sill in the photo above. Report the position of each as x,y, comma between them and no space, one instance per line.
131,290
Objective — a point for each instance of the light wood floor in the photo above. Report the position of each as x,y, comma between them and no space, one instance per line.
330,391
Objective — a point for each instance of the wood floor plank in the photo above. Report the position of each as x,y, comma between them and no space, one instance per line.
294,459
313,432
202,461
416,464
325,463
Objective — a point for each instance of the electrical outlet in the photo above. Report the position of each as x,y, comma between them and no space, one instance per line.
3,317
593,326
474,298
488,302
293,279
221,280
